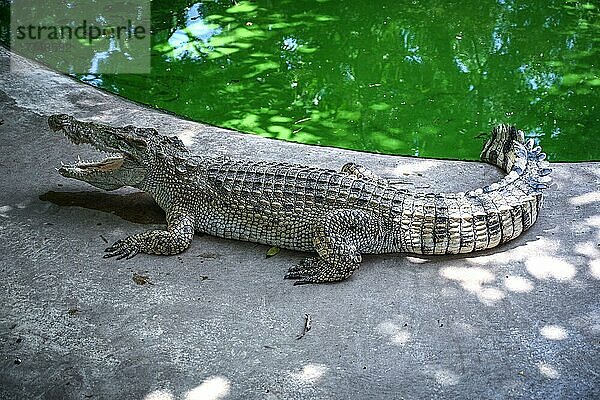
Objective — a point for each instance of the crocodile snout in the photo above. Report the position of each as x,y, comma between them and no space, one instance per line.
59,121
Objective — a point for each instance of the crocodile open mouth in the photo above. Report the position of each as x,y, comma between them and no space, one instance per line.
109,164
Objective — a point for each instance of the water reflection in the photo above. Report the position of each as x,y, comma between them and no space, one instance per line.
191,41
396,77
80,37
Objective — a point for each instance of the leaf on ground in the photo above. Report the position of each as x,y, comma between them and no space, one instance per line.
272,251
141,279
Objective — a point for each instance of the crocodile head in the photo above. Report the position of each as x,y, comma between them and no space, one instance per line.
131,152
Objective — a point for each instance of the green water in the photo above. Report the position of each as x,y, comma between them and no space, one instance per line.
422,78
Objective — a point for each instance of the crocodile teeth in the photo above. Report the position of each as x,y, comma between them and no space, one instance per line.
109,164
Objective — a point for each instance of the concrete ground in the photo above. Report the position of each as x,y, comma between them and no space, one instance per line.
219,321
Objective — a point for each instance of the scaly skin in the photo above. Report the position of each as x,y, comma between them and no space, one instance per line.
338,214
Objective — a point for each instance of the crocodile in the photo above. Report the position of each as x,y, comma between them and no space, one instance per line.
339,214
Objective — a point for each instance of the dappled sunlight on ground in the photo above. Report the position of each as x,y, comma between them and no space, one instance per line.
395,331
310,374
586,198
445,377
213,388
544,258
474,280
563,258
554,332
536,257
519,269
6,209
518,284
595,268
548,370
466,328
159,395
593,221
519,253
546,267
588,249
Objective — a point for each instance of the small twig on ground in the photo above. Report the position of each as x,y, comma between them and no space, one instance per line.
306,327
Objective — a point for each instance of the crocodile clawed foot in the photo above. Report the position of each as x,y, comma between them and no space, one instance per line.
304,269
317,270
125,248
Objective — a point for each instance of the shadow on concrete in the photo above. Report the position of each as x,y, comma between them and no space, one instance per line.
136,207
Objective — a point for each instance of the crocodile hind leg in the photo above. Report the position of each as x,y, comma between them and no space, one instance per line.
338,240
174,240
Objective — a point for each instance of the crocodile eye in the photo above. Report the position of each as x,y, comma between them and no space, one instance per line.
137,142
59,121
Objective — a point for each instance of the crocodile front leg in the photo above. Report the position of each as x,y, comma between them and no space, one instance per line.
338,240
177,238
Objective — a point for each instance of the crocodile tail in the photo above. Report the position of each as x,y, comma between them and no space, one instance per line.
451,223
501,148
511,205
508,150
